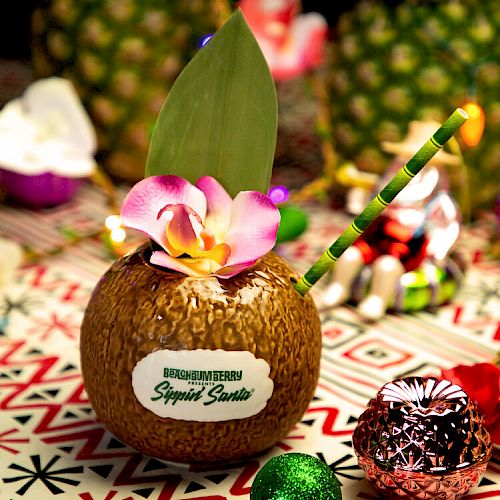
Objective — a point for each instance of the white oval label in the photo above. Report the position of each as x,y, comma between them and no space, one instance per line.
202,385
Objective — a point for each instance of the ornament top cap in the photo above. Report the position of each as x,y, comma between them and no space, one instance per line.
424,396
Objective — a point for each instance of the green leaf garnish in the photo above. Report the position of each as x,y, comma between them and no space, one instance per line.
220,116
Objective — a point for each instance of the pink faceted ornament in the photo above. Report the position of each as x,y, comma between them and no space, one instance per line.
422,438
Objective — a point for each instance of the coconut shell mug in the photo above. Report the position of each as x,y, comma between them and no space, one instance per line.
207,358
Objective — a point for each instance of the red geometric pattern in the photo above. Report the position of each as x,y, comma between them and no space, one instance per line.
377,354
51,442
7,443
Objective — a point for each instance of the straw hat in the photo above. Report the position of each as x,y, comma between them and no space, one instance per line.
418,134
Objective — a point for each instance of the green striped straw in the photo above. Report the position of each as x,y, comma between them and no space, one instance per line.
380,202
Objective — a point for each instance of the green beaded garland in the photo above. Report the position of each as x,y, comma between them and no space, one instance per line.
295,476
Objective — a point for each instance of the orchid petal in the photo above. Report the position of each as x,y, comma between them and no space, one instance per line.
142,207
55,105
199,268
208,238
252,231
218,206
226,272
182,236
186,235
219,253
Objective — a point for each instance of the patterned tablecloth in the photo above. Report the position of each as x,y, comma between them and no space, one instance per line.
51,443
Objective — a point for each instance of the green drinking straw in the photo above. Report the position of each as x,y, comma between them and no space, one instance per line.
380,202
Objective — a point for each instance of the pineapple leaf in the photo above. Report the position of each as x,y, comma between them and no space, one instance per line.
220,116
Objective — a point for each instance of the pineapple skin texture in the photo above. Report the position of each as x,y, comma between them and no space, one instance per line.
136,309
122,56
417,61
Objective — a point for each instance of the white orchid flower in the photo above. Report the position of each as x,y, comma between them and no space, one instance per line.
47,130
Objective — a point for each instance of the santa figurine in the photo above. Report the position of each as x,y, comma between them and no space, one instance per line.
420,225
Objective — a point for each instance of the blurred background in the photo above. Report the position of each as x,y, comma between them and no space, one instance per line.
384,64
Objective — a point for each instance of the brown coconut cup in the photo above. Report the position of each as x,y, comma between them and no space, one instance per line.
137,309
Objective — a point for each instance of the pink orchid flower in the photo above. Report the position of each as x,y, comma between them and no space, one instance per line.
203,232
292,43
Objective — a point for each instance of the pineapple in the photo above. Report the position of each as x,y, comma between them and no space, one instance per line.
419,60
122,56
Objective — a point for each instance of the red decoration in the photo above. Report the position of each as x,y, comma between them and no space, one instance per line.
482,383
387,236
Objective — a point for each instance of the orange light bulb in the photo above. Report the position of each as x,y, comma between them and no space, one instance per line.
473,128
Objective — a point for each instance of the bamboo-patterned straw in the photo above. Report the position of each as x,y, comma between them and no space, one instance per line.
380,202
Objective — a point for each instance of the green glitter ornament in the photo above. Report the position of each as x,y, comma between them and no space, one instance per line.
295,476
